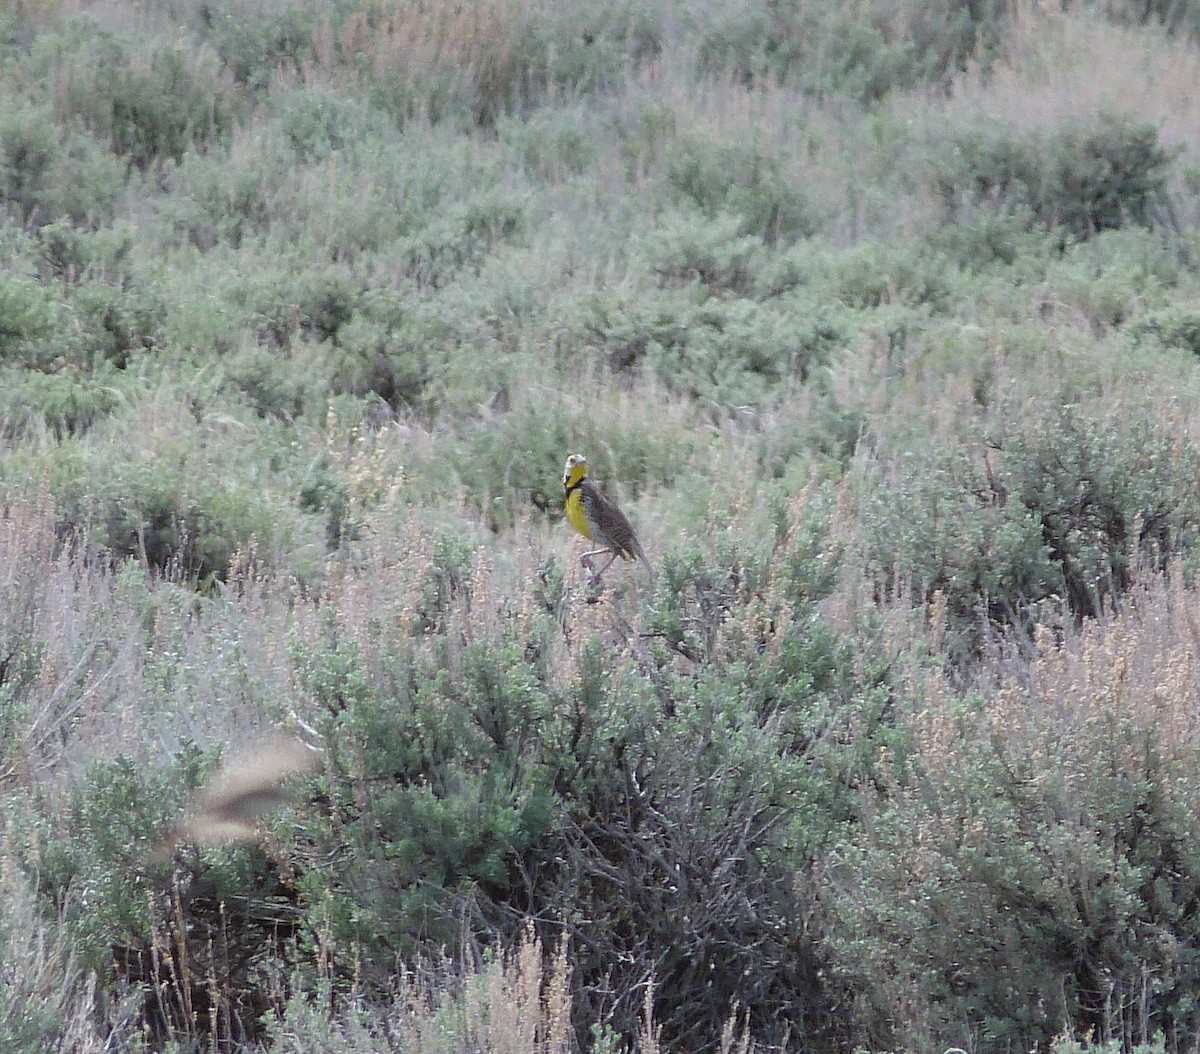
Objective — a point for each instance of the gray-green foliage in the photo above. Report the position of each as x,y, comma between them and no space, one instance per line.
1079,179
1010,895
654,817
302,306
1051,502
860,50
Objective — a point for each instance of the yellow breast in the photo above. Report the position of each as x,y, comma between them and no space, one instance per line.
574,510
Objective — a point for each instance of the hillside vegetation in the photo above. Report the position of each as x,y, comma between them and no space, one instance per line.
881,320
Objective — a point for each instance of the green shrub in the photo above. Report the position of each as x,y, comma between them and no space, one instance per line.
580,49
1105,492
1115,276
451,806
1058,503
680,876
371,357
193,934
65,403
279,383
31,313
626,327
186,503
1029,872
864,50
257,294
553,144
737,350
255,39
217,199
483,772
871,275
710,250
981,240
1076,179
461,237
29,147
1177,326
317,123
747,179
149,105
69,303
48,173
729,352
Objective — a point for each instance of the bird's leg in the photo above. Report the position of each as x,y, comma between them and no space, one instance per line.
596,574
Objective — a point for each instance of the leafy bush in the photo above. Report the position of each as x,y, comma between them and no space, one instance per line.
192,936
63,403
1114,277
728,351
744,179
279,383
177,503
317,123
254,40
709,249
224,200
1075,179
736,350
1177,326
1028,872
70,304
871,275
553,144
1060,504
31,312
652,815
863,50
148,106
48,173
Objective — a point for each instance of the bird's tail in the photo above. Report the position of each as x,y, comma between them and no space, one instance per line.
641,555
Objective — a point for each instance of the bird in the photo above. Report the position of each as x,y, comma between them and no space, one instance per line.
228,809
597,517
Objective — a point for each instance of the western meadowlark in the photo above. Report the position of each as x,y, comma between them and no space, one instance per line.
598,519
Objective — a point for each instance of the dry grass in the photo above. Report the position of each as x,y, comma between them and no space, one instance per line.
1136,668
1073,66
518,1003
455,50
1062,65
1031,786
735,1036
108,661
52,647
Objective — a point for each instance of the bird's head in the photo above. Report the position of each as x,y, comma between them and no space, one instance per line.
574,470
